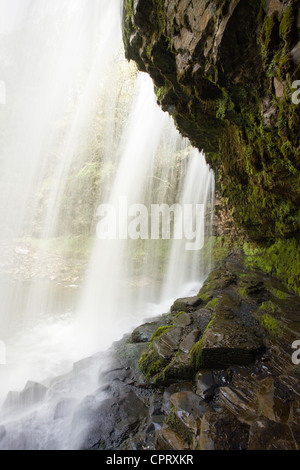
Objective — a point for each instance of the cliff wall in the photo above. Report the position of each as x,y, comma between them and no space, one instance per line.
226,71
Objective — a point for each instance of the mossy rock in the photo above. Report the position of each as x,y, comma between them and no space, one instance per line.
280,258
150,363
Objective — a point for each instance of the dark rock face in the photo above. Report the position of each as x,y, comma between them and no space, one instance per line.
222,431
113,421
216,376
225,71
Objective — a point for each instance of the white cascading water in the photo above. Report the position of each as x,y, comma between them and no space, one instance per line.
58,58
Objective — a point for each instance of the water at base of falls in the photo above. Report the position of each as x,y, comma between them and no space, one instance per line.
78,97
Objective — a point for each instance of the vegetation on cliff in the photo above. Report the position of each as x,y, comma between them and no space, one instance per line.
225,71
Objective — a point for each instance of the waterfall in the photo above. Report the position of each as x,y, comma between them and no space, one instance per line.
70,95
112,299
56,61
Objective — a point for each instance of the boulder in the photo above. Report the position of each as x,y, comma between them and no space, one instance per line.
222,431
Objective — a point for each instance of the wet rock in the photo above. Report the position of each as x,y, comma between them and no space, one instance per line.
143,333
279,88
184,319
155,404
189,410
130,354
178,369
111,422
122,374
295,422
238,404
189,341
268,435
266,398
168,343
12,400
169,391
201,318
295,53
158,421
229,341
222,431
218,280
205,384
274,400
250,388
33,393
167,439
185,304
274,5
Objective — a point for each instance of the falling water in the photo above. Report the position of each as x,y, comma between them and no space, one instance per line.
56,62
66,76
122,288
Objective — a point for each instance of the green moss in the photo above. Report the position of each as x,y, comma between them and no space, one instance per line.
195,357
273,326
281,259
287,21
159,332
176,425
225,105
261,12
265,315
161,92
213,303
204,297
243,292
128,25
178,306
222,6
210,283
155,368
179,313
150,363
176,371
270,32
268,307
216,248
279,294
